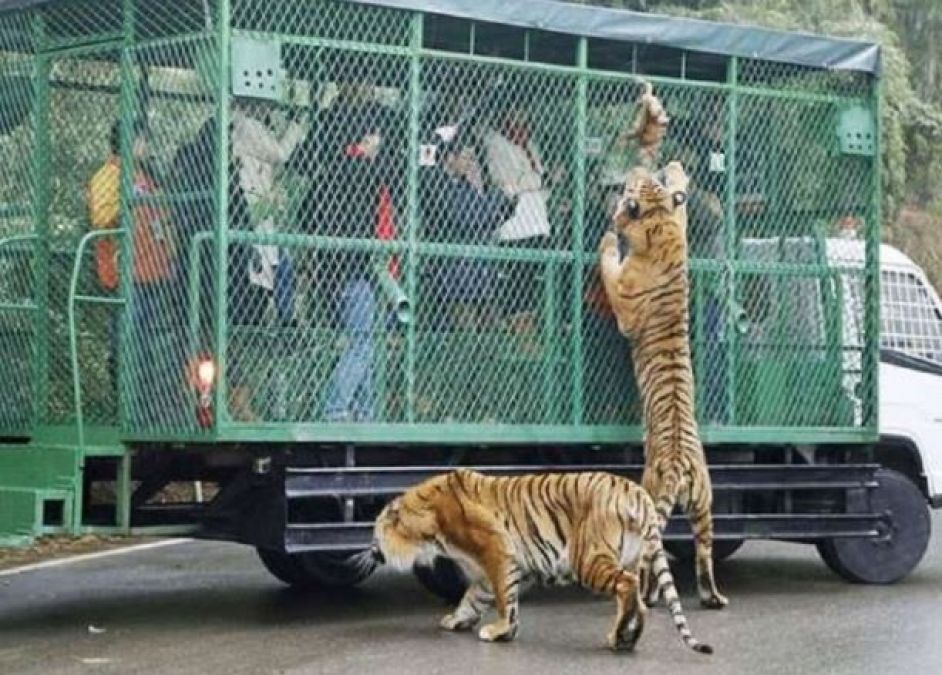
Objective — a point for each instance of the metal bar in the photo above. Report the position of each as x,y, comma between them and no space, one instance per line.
99,299
501,434
327,482
550,330
18,307
126,385
871,369
412,187
731,344
224,30
76,47
40,215
328,536
123,490
73,333
326,243
6,241
578,239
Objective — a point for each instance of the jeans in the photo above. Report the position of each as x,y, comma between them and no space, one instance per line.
351,395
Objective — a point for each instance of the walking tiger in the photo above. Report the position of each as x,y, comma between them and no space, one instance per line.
597,529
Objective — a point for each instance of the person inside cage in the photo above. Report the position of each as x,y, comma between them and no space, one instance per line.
516,168
153,250
460,207
260,153
353,199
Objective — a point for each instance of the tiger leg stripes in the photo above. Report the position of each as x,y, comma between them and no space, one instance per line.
504,577
701,522
475,602
629,621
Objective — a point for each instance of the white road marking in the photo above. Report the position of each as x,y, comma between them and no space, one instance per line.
59,562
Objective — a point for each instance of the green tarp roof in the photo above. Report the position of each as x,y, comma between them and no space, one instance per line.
692,34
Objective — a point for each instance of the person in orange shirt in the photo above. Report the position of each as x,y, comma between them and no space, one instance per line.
152,246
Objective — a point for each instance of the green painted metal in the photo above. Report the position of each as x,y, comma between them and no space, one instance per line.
531,362
579,206
223,31
74,298
412,197
22,516
729,232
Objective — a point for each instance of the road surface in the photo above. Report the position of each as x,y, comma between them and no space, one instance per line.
211,608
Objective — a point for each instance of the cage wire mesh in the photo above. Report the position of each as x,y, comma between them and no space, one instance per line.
18,317
413,214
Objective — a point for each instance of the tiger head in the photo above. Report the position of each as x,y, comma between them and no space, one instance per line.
405,530
652,211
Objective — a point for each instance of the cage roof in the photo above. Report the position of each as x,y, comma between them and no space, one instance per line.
683,33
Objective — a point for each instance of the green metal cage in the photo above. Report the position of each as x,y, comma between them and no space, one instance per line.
377,221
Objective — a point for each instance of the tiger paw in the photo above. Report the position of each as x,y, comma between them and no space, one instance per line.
714,601
454,622
609,243
500,631
621,643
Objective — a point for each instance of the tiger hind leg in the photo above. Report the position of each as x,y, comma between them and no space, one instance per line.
604,574
701,521
629,621
475,602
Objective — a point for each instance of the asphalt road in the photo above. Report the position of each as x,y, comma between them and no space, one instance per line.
211,608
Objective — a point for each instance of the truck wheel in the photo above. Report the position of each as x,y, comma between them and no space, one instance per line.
893,555
443,578
685,550
317,570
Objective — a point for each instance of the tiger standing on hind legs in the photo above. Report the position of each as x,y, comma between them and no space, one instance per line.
649,293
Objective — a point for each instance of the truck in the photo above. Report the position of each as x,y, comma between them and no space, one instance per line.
272,366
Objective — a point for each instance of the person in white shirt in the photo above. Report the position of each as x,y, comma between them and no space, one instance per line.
516,168
260,153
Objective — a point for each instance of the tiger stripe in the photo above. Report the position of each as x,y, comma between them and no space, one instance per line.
649,293
593,528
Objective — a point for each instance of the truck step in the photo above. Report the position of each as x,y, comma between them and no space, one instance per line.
27,513
39,488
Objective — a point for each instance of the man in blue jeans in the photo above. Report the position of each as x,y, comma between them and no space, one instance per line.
354,199
351,396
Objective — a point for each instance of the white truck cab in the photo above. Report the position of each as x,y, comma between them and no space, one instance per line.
911,365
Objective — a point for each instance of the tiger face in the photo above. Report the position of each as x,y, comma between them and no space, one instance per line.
652,212
404,532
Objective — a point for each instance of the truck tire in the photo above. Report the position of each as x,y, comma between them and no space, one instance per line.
442,578
891,557
685,550
316,570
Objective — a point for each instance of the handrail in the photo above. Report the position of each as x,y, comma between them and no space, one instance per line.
18,307
73,334
18,237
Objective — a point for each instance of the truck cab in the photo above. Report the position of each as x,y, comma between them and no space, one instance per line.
910,372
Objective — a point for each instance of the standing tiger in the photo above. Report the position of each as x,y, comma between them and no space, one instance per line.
649,294
595,528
